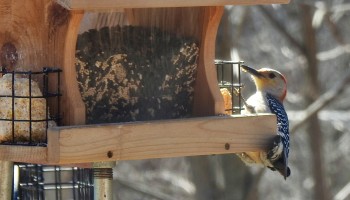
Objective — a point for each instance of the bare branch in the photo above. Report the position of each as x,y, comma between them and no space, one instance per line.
240,27
145,189
334,29
322,101
344,193
253,192
278,25
333,53
341,8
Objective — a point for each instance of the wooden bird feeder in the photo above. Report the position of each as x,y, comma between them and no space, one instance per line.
39,33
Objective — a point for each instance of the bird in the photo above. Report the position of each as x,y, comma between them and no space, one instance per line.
271,90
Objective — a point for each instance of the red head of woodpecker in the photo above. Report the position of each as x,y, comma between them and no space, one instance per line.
269,81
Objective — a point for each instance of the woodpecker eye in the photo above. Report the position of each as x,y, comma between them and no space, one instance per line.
272,75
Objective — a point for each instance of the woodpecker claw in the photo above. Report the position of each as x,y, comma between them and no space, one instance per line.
250,108
277,156
276,149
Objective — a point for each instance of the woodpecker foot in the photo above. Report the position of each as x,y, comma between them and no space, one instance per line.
246,158
249,108
276,149
276,155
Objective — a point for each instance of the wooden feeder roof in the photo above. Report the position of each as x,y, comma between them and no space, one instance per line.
110,4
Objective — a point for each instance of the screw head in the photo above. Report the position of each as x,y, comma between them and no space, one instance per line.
109,154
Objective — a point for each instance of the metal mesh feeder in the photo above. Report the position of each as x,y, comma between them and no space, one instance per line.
52,182
25,98
229,80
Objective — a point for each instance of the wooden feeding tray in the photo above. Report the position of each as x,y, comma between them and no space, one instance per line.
144,140
45,34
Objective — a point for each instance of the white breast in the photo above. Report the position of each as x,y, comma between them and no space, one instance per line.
259,102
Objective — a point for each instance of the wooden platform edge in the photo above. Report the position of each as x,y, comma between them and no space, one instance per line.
33,155
160,139
115,4
25,154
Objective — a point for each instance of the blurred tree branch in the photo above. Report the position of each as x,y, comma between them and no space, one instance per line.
230,37
278,25
240,27
202,177
312,93
338,11
327,17
344,193
333,53
145,189
253,193
334,29
322,102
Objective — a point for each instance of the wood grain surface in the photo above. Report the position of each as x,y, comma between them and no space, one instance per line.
160,139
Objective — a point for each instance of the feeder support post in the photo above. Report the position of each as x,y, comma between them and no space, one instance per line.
6,180
103,180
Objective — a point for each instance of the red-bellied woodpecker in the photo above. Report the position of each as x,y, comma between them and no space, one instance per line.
271,88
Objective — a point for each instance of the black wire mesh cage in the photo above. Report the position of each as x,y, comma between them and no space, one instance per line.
229,80
30,104
25,98
38,182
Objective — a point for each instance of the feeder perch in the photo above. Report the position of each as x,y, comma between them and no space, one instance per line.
46,33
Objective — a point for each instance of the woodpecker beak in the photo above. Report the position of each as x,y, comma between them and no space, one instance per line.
251,71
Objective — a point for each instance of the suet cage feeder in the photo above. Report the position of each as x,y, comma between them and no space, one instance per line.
25,115
165,48
52,182
229,81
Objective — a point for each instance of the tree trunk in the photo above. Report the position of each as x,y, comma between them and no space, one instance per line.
202,177
223,177
321,191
